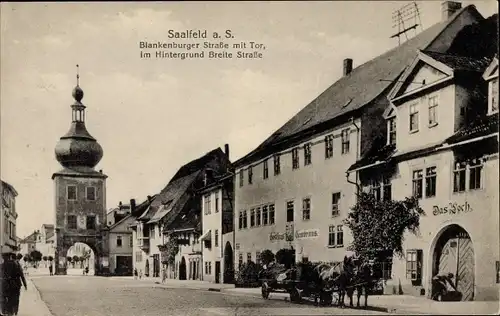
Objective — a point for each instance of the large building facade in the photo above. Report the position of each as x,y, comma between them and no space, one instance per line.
442,148
293,190
9,218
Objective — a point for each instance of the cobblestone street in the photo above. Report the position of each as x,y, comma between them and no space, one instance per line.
92,296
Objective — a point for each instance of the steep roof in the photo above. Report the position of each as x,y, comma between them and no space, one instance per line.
180,184
352,92
481,127
460,63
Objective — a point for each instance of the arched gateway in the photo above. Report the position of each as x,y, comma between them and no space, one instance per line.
80,192
454,253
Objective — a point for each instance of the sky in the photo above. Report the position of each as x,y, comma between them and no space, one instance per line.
151,116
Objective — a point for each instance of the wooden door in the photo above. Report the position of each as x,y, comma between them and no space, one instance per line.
448,262
217,271
465,269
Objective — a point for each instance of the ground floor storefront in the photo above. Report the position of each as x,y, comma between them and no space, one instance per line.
458,237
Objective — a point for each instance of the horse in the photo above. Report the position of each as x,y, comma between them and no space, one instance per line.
361,282
336,275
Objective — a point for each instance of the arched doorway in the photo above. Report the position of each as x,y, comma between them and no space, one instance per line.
228,263
79,257
182,269
454,253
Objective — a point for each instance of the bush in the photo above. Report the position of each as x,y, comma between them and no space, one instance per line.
266,256
286,257
248,275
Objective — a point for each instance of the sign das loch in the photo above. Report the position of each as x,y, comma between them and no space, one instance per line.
452,208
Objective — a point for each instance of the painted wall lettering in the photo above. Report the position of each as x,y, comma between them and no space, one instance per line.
301,234
452,208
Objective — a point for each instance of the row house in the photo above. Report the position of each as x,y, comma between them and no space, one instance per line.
293,191
441,146
8,218
173,217
217,222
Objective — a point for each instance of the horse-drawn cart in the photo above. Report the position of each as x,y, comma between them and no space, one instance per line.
298,288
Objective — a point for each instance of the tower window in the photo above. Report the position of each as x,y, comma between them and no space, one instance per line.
71,192
90,222
91,193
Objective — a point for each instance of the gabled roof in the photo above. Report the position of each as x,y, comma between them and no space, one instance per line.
30,238
359,88
199,163
447,64
128,217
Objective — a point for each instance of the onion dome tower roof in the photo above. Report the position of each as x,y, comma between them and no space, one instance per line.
77,148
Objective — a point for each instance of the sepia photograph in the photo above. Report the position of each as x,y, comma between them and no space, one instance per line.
203,158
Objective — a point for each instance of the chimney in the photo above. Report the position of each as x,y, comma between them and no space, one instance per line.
132,205
347,66
226,150
448,8
149,198
100,171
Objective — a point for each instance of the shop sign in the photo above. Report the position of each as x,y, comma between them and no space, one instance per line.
452,208
300,234
307,234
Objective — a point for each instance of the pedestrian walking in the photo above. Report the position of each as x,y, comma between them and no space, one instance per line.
13,278
140,274
135,274
51,268
164,275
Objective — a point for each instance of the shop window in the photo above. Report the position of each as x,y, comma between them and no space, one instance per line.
414,265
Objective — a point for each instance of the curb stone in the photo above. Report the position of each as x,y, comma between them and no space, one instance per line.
46,310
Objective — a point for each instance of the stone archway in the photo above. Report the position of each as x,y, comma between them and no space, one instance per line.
228,263
98,245
454,253
80,256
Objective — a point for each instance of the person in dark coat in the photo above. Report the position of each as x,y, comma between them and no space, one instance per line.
13,278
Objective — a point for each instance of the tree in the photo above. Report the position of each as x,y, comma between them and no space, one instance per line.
51,258
170,250
75,260
45,258
36,256
68,258
19,256
26,258
379,226
266,256
286,257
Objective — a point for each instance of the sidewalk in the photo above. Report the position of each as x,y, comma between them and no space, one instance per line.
404,304
31,303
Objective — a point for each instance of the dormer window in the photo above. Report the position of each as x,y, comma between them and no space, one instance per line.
391,131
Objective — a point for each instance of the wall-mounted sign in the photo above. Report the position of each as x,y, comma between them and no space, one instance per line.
307,234
452,208
300,234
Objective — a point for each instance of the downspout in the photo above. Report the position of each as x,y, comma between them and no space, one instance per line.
358,145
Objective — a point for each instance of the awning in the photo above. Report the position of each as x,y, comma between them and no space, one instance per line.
206,236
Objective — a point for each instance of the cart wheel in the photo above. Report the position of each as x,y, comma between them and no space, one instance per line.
265,290
295,295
